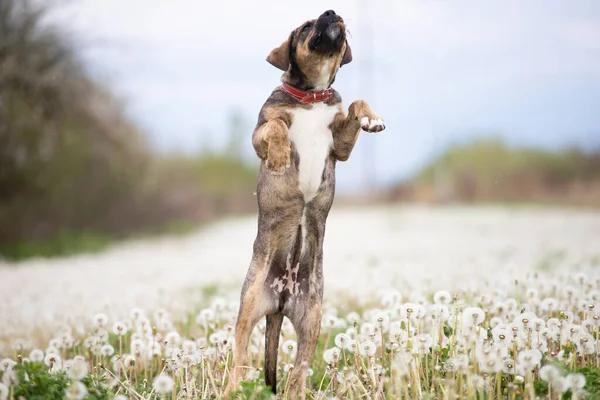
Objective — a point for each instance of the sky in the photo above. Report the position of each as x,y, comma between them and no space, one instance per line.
438,71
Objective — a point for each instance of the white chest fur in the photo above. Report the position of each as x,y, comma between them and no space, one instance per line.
312,138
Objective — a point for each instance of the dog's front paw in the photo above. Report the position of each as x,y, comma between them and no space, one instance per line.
372,123
278,156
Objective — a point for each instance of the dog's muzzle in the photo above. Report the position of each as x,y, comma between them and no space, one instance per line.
329,28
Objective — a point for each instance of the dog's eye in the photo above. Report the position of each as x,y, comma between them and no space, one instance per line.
306,27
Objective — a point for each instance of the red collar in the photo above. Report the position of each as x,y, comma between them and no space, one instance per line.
307,97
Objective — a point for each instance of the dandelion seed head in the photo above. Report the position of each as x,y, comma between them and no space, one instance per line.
6,364
442,297
78,369
289,347
368,348
119,329
332,355
100,320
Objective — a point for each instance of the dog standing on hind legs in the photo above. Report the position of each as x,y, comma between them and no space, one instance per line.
302,131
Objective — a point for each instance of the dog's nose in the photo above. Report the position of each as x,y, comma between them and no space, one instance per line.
330,16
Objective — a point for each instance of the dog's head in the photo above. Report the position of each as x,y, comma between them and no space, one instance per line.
313,53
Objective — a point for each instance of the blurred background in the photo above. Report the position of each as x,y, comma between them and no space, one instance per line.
122,119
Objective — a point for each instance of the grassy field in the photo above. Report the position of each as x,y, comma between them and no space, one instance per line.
509,308
534,339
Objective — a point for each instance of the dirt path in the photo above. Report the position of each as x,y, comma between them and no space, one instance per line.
414,249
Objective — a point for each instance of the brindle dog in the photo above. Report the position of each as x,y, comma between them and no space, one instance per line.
301,133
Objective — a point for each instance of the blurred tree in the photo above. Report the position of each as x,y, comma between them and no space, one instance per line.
237,134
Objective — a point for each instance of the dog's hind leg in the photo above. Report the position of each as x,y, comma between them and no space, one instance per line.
255,303
274,322
308,327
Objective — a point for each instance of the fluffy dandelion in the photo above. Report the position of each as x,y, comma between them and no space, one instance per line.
163,384
368,348
36,356
575,382
205,317
107,350
119,329
442,297
332,355
52,360
549,373
77,391
78,370
10,378
290,347
473,316
530,358
100,320
3,391
6,364
341,340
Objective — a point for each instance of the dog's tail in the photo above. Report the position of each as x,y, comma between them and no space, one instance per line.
271,348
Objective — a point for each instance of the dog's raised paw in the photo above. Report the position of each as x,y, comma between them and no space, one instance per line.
276,171
373,124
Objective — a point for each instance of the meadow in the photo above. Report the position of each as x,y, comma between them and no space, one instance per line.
432,303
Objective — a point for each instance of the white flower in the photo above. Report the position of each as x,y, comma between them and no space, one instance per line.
9,378
119,329
100,320
352,346
137,346
329,321
368,348
402,362
290,347
6,364
442,297
422,343
77,391
136,313
491,365
549,373
252,374
473,316
389,299
52,360
332,355
529,359
205,317
128,361
353,317
3,391
36,355
439,312
381,320
163,384
411,311
107,350
367,329
341,339
496,321
575,382
102,336
172,338
189,347
78,370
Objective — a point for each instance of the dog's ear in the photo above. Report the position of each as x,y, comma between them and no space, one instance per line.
347,55
279,57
